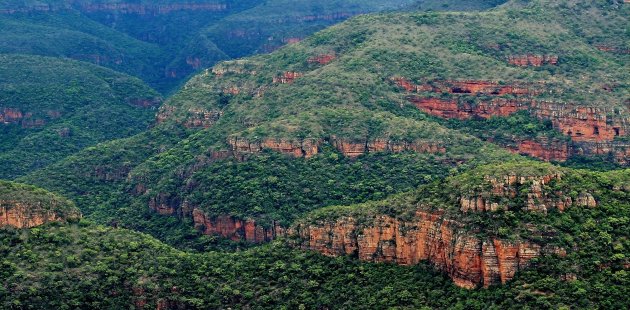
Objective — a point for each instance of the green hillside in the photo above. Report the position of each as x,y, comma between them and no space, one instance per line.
52,108
116,272
333,109
24,205
461,158
164,42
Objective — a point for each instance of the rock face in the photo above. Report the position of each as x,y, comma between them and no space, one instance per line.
24,215
583,124
593,131
453,109
296,148
350,148
507,187
10,116
469,87
236,229
532,60
195,117
287,77
545,150
468,260
322,59
202,118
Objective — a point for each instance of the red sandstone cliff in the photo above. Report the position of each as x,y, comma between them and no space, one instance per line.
287,77
23,215
593,131
545,150
236,229
468,260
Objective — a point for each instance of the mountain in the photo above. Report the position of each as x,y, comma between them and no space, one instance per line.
450,146
584,236
164,42
342,105
51,108
25,206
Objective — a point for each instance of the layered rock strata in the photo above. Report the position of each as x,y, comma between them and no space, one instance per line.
467,259
24,215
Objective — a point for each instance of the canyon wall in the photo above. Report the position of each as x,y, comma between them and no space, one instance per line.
236,229
27,215
593,130
467,259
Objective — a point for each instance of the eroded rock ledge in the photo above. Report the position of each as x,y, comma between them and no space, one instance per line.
467,259
593,130
27,215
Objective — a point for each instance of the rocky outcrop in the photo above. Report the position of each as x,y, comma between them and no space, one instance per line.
467,87
296,148
583,124
452,108
532,60
350,148
503,189
201,118
27,215
287,77
467,259
236,229
10,115
321,59
545,150
593,131
235,67
24,119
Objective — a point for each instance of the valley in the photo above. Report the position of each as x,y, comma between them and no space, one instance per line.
286,154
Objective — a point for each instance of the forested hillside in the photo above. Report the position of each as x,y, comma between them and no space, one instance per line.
471,156
51,108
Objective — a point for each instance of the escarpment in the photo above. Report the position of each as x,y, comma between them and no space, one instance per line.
348,147
504,189
24,206
543,149
236,229
25,215
446,223
593,130
469,260
25,119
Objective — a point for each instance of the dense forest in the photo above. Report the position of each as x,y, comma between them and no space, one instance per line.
331,155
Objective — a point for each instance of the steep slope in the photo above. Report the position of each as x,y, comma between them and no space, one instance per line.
449,65
372,93
587,266
25,206
59,31
480,227
163,42
51,108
